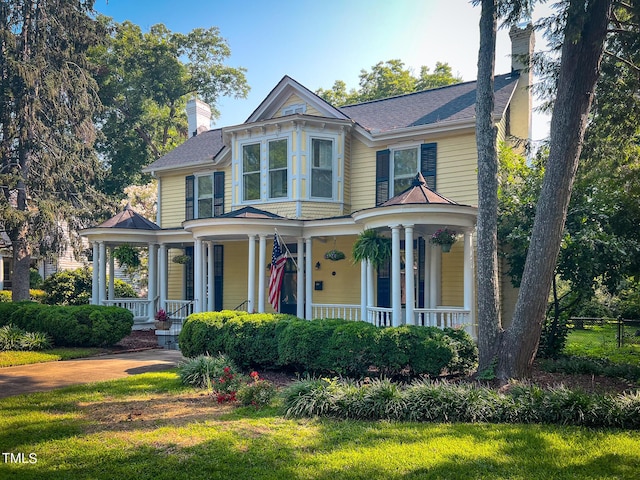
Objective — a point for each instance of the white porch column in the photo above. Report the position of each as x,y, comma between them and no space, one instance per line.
197,275
95,282
210,278
153,280
428,254
300,284
468,272
363,290
102,273
370,296
262,271
251,276
2,273
396,294
203,273
408,275
163,275
308,314
434,276
112,274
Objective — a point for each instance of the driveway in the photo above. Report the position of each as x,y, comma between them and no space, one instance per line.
41,377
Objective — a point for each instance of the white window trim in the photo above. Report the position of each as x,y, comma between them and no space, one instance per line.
334,167
196,196
287,168
264,168
398,148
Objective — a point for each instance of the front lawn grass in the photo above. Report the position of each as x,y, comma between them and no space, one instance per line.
600,341
149,426
11,358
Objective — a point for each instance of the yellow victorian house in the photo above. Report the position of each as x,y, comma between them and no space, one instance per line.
320,175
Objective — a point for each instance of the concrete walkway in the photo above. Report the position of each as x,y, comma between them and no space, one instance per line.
41,377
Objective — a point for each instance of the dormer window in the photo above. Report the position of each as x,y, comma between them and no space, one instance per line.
293,109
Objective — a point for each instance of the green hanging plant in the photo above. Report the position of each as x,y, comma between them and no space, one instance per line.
372,246
127,256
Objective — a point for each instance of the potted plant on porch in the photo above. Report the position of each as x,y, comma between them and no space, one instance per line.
163,322
445,238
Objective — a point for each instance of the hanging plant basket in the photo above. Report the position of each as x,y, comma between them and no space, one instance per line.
127,256
334,255
181,259
445,238
373,247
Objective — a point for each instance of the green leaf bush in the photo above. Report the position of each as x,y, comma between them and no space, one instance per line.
443,402
14,338
73,287
333,346
70,326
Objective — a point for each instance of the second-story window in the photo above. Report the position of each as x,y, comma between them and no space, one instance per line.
405,167
278,168
205,196
321,168
251,172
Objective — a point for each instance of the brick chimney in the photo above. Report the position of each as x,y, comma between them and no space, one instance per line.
522,47
198,116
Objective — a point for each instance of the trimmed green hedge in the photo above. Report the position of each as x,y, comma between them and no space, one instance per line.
70,326
34,294
328,345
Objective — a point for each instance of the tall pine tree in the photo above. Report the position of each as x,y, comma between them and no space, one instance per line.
47,101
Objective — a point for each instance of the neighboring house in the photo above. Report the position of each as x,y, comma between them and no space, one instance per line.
320,175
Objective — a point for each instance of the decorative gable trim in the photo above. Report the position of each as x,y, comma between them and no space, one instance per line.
272,104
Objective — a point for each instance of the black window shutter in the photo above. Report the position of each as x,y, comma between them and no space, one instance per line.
428,163
382,176
218,193
189,212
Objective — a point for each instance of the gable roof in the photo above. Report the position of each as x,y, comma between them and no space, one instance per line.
130,219
195,151
450,103
249,212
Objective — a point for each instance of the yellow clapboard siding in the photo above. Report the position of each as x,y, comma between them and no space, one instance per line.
363,176
453,276
235,266
457,169
172,201
344,286
296,100
175,290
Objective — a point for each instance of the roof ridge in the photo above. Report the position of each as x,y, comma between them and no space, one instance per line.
442,87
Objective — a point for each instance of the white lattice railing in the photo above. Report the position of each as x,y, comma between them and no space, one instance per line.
140,307
328,310
442,317
379,316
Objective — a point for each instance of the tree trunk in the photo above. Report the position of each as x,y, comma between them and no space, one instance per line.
582,49
488,288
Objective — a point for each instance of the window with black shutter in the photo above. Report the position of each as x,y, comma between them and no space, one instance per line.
218,194
429,163
382,176
189,212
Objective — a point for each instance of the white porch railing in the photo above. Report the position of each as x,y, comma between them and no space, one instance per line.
379,316
443,317
328,310
140,307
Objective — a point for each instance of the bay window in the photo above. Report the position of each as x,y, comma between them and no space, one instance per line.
321,168
278,164
251,172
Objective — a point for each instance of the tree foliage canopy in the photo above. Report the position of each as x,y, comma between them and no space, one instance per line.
145,80
387,79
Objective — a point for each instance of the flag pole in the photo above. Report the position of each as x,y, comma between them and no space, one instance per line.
287,249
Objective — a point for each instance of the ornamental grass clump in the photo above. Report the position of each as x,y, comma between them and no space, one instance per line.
204,370
14,338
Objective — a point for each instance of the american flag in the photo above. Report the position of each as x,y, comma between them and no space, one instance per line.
278,260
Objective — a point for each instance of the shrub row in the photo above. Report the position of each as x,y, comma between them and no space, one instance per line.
70,326
426,401
34,294
329,345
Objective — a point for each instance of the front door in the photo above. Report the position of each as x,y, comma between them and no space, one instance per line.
289,292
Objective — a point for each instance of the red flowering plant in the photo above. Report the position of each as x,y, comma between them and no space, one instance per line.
258,393
226,387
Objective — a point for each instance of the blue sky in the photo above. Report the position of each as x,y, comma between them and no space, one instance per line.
319,41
